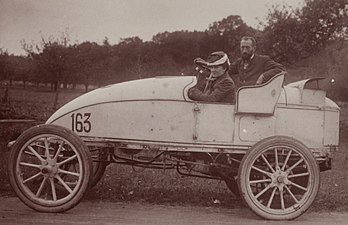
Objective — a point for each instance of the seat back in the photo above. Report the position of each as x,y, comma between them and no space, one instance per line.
260,99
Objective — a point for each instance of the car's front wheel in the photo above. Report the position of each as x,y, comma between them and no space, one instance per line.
49,168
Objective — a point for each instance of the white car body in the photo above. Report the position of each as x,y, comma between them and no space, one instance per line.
158,111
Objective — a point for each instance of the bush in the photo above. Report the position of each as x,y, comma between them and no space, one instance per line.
8,131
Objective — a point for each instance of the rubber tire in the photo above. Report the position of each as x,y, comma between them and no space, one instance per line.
232,184
253,153
81,150
98,172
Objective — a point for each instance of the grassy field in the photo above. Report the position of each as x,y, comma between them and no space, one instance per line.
124,183
37,104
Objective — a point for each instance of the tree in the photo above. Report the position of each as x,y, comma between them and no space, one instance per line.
323,20
294,34
22,69
4,65
50,57
226,34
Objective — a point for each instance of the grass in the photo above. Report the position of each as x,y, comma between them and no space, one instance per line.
124,183
38,105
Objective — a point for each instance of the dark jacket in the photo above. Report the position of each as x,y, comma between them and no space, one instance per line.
220,90
259,64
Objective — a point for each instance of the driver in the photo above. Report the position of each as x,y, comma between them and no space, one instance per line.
219,86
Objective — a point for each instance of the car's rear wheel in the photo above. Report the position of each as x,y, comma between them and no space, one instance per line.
98,172
49,168
232,184
279,178
99,164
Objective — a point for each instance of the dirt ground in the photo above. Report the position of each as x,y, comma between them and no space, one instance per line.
12,211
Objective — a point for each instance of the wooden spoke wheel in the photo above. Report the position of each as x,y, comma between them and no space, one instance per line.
279,178
49,168
232,184
99,165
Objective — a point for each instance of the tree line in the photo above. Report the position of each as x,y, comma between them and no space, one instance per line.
288,36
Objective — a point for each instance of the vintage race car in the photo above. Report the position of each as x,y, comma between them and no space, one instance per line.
269,147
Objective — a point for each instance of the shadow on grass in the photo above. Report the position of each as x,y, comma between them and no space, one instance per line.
333,192
124,183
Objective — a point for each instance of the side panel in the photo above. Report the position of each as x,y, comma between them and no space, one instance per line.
136,120
304,124
331,124
215,123
162,121
253,128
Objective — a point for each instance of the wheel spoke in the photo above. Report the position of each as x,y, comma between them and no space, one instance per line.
293,166
67,160
263,191
32,177
71,184
68,172
58,151
38,193
298,186
260,181
298,175
276,158
282,199
29,165
286,159
40,146
29,153
54,194
47,150
291,194
64,184
35,153
270,200
261,171
266,161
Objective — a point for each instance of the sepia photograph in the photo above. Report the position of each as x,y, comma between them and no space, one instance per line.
173,112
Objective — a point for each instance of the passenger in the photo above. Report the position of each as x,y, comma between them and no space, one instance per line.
253,68
219,86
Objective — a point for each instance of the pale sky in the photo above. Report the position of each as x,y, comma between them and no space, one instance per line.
93,20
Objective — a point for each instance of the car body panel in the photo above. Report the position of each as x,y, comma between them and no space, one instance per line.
158,110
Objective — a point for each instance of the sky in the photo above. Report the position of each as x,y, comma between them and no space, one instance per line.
93,20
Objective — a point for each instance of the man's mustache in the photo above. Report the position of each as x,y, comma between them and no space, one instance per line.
246,55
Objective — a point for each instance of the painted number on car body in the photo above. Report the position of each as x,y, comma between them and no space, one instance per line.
80,122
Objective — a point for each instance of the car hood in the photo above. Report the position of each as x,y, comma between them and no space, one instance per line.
158,88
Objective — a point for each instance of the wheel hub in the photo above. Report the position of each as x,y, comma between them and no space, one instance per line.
279,179
49,168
